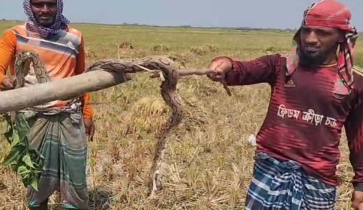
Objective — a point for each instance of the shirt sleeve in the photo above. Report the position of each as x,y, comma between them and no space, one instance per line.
260,70
7,52
354,132
80,68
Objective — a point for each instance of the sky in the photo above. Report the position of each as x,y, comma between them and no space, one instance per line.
279,14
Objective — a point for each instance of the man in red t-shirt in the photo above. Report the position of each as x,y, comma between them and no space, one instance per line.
315,92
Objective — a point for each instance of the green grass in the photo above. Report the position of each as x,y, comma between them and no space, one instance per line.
359,60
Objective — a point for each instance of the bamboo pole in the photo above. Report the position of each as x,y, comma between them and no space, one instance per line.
71,87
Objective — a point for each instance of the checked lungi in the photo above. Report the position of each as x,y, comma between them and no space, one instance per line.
284,185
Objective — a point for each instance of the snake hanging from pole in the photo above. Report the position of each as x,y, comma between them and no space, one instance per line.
22,69
158,65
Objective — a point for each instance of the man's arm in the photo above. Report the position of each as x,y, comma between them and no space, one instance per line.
7,53
233,72
354,131
80,68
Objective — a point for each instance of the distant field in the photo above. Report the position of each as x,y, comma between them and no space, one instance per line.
209,158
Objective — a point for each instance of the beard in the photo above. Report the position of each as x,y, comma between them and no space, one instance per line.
308,60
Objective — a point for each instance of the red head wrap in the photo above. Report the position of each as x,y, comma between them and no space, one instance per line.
332,14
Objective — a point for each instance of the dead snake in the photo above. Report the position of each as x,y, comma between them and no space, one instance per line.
162,65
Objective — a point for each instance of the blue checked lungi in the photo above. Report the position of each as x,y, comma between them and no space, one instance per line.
285,186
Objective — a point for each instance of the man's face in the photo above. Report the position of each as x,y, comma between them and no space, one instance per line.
318,44
45,11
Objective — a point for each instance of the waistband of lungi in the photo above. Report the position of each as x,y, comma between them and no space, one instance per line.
292,165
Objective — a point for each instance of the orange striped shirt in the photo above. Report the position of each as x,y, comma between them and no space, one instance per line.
63,56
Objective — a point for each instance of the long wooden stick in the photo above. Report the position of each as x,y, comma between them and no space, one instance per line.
14,100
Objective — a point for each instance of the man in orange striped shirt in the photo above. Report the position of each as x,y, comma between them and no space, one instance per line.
57,129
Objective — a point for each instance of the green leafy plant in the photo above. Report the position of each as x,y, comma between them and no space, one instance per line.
23,158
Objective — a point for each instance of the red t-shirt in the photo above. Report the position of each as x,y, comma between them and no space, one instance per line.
305,118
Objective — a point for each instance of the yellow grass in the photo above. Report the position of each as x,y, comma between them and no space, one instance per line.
209,159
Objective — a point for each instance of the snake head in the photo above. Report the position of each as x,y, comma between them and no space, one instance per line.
24,59
23,56
22,65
